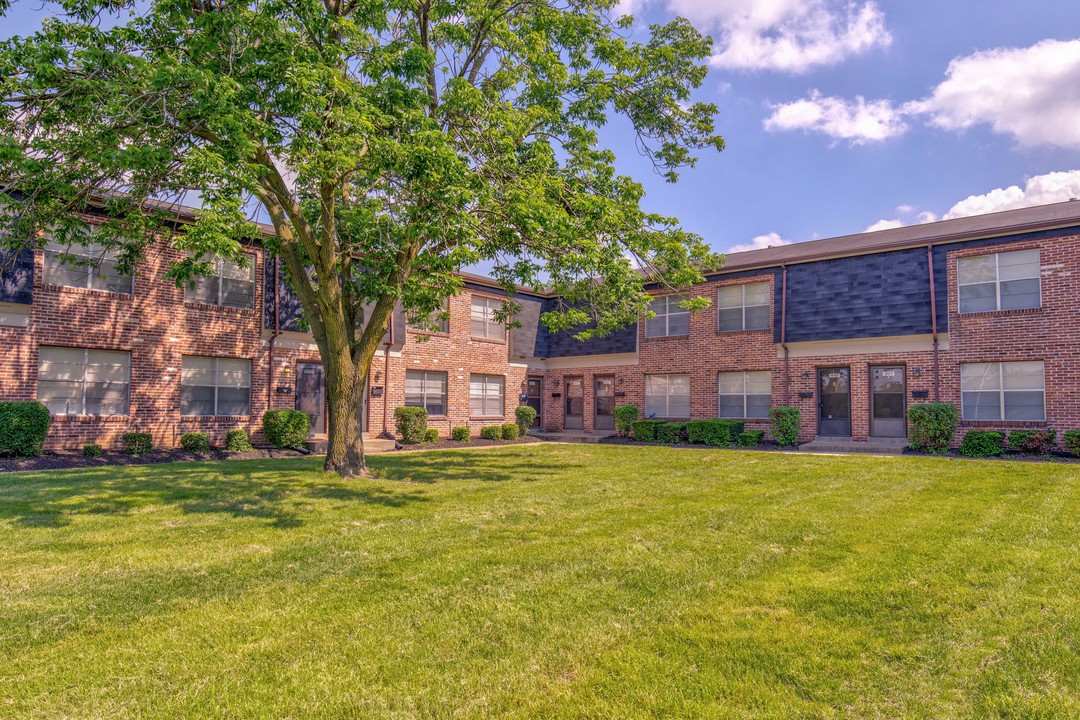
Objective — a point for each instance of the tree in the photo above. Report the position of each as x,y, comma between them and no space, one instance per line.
390,143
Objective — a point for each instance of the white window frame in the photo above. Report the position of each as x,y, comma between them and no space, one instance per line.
219,272
483,308
666,396
439,318
425,393
217,386
742,305
91,252
487,381
744,381
1001,391
997,280
669,310
83,381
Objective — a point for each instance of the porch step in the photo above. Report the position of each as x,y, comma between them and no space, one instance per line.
574,436
372,445
873,446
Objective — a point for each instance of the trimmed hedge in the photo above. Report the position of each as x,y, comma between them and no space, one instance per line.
784,425
714,432
431,435
671,433
91,450
983,443
137,443
750,438
491,432
286,429
410,423
625,416
1033,442
460,434
23,427
1072,442
195,441
237,441
645,430
510,431
525,415
932,426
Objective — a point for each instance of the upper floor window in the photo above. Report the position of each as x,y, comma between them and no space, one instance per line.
78,381
486,395
667,396
1003,391
484,322
1002,281
437,322
745,394
670,318
743,307
212,386
427,390
84,266
228,285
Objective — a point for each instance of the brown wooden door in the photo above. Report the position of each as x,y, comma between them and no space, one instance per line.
604,403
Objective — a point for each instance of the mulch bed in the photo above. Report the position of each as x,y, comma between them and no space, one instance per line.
765,446
1057,456
448,444
64,461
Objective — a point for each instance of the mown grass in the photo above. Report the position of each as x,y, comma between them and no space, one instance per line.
550,581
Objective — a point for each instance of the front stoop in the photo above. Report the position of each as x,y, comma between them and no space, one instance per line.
372,445
873,446
569,436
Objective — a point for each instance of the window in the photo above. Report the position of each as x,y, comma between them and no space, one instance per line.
426,390
215,386
667,396
77,381
84,266
671,319
743,307
1004,281
229,285
486,395
745,394
1003,391
437,322
484,324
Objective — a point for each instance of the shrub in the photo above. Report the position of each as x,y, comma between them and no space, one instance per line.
411,423
784,427
525,415
286,429
983,443
1072,442
195,441
137,443
671,432
625,415
23,426
750,438
1033,442
491,432
431,435
932,426
237,441
460,434
510,431
91,450
714,432
645,430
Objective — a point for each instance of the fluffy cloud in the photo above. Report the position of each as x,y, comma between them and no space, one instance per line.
760,243
858,122
885,225
1038,190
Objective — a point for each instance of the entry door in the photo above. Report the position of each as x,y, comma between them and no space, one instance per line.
575,403
534,392
311,395
604,403
888,390
834,402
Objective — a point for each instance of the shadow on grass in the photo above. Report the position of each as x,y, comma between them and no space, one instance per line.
485,466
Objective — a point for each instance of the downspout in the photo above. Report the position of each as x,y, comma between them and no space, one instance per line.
386,383
273,337
783,335
933,322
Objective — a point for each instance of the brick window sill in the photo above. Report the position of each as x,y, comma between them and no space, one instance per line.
219,308
484,418
489,341
421,333
995,424
76,419
68,290
1001,313
750,331
222,419
667,338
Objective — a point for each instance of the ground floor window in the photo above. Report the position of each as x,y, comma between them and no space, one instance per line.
427,390
667,396
212,386
78,381
745,394
486,395
1003,391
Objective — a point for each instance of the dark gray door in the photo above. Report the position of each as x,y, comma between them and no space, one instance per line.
834,402
888,390
533,391
311,395
604,403
575,403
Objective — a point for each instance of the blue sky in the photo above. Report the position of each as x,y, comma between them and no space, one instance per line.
841,115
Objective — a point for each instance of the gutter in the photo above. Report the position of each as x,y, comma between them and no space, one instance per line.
783,335
933,322
273,336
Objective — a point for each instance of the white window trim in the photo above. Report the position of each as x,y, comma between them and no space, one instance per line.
488,318
1001,392
997,281
82,382
499,380
424,391
745,414
92,268
217,386
667,395
667,314
219,270
742,306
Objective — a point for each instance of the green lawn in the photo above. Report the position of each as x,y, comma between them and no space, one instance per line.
544,581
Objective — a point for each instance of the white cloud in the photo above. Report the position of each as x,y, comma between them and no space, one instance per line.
1038,190
905,208
858,122
627,7
926,217
885,225
760,242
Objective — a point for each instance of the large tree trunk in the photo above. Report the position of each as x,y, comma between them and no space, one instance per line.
345,444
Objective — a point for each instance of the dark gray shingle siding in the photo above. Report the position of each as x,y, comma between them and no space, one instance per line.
17,276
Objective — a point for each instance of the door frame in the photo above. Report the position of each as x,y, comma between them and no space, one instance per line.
596,396
322,390
566,399
538,421
820,396
903,397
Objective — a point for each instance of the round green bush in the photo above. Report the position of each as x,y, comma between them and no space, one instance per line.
525,415
932,426
91,450
411,423
785,423
286,429
460,434
983,443
510,431
195,441
491,432
431,435
237,441
1072,442
751,438
625,417
23,427
137,443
